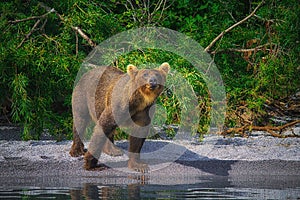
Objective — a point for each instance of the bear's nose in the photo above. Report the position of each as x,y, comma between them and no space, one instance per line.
153,82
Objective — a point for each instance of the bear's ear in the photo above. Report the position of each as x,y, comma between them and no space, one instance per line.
165,67
131,69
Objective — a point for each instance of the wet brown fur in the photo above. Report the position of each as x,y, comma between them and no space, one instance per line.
112,98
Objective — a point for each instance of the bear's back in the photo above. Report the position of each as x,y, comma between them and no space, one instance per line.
105,83
92,89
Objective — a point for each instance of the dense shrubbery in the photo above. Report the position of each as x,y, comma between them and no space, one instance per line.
40,57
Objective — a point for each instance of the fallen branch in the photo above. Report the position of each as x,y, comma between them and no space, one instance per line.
269,129
207,49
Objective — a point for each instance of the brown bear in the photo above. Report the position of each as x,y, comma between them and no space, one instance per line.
112,98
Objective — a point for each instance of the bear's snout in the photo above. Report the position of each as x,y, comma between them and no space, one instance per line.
152,83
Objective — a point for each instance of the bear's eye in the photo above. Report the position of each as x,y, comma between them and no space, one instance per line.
157,75
145,75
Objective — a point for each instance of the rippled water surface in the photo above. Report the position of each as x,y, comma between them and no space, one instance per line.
208,189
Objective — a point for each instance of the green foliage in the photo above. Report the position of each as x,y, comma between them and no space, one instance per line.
38,65
37,76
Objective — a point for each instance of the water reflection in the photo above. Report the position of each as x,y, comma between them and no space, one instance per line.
209,187
91,191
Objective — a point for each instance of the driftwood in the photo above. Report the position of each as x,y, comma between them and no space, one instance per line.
270,129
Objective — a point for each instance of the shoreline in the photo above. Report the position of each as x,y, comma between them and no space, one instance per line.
258,158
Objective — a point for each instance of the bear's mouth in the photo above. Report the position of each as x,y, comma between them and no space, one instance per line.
152,86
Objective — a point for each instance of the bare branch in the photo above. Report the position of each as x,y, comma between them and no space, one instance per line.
48,9
30,33
76,43
77,29
148,10
162,10
32,18
34,26
231,27
158,5
161,6
255,49
43,25
132,8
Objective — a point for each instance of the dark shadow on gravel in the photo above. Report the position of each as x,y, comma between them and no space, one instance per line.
188,158
205,164
214,167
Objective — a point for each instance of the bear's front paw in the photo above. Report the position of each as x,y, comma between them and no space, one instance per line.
138,166
90,161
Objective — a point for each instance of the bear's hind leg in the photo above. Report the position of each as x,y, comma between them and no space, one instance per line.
102,130
95,147
77,148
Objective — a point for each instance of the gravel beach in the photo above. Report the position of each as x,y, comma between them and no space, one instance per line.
237,160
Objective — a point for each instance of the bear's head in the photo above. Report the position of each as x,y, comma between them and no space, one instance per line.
149,82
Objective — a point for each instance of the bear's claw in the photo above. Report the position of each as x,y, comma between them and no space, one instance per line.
138,166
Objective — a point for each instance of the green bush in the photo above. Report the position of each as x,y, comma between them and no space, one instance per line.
39,65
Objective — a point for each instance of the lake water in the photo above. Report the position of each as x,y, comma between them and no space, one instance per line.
206,188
